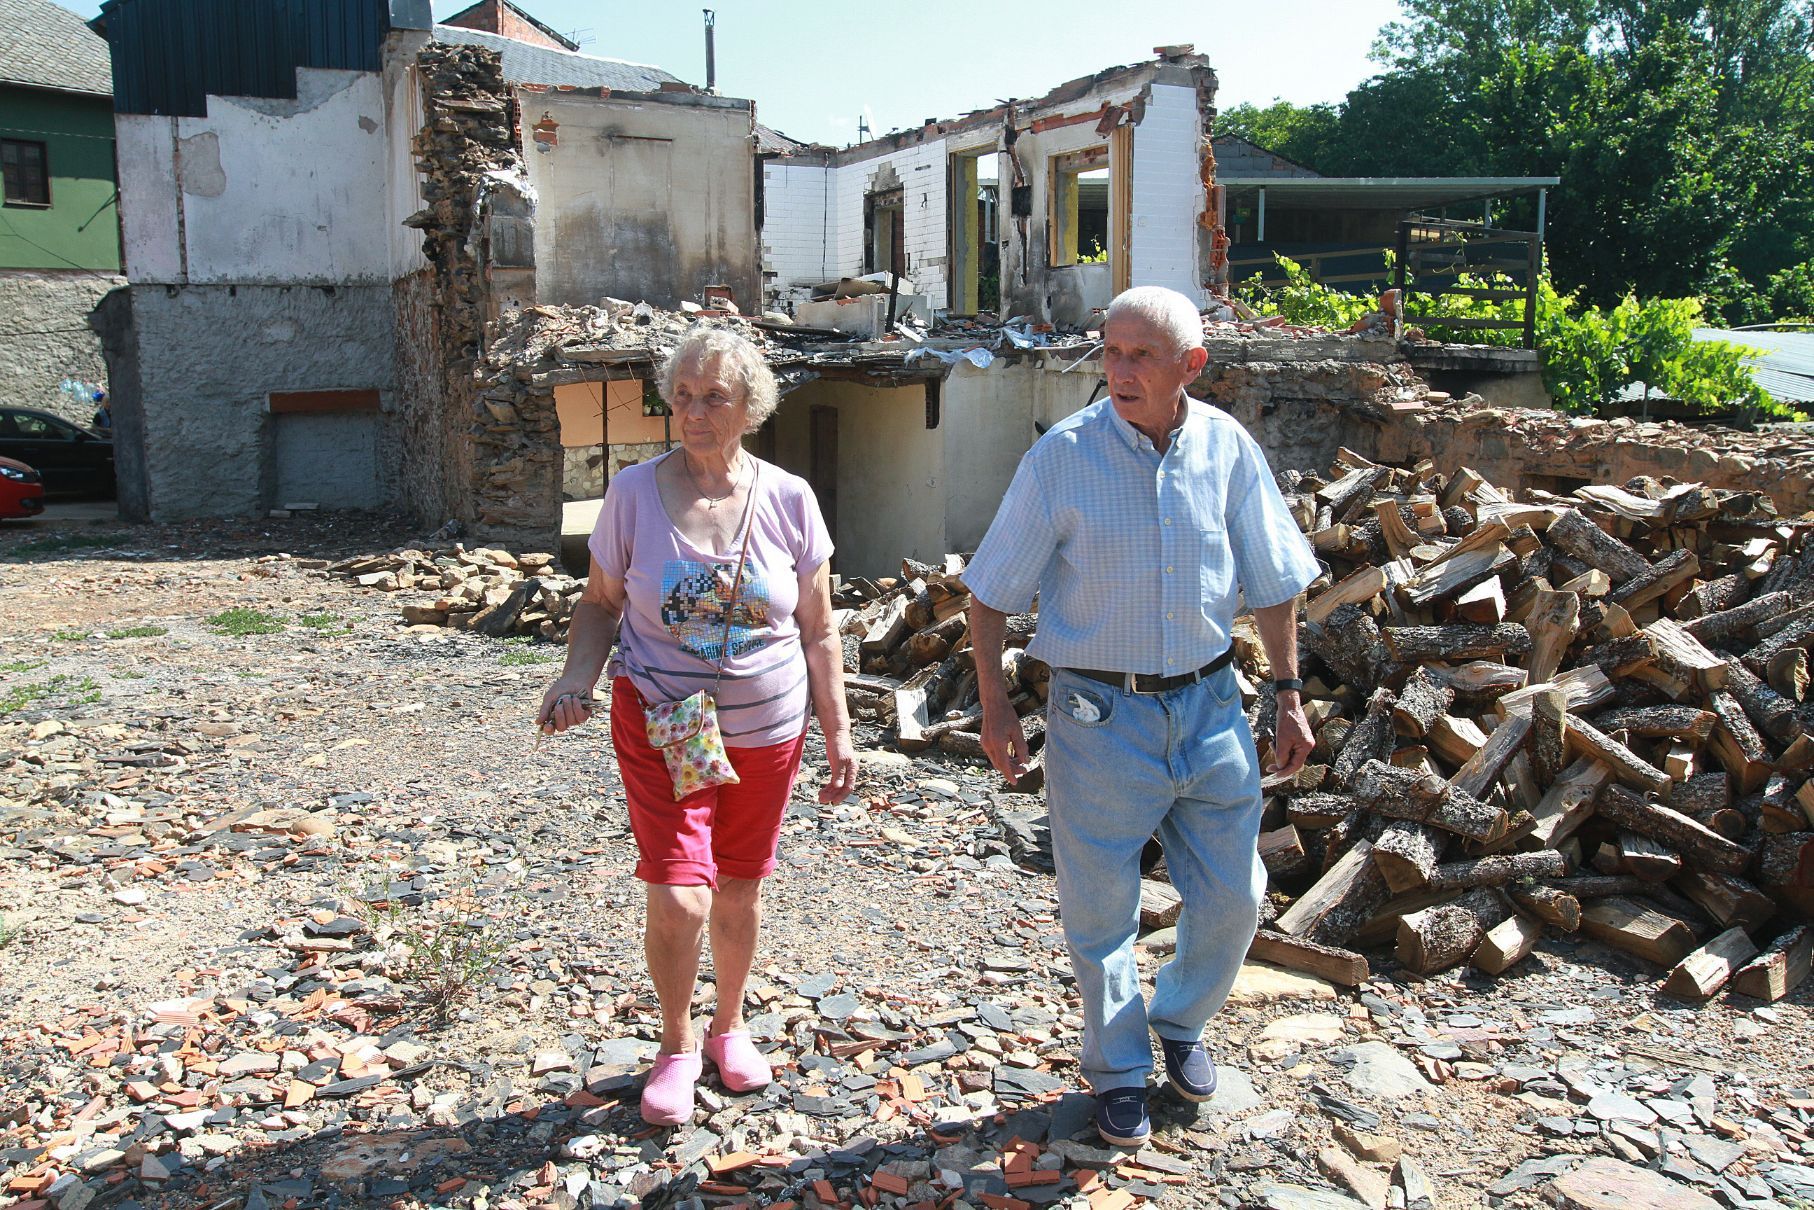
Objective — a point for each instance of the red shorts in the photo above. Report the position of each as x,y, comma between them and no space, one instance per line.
730,829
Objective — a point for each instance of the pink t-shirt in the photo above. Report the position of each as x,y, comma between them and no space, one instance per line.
673,625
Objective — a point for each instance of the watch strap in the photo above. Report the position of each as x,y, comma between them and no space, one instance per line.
1289,683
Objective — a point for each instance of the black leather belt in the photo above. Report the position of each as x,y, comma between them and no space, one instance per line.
1152,682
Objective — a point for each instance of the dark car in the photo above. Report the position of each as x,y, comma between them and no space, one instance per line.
71,458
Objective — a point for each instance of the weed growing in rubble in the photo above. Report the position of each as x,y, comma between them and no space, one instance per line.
21,665
516,659
137,632
446,952
241,621
69,636
324,623
70,690
58,544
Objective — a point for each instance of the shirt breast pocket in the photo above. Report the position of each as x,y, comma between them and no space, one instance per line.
1216,567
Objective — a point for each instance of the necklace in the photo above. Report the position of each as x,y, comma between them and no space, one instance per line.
711,502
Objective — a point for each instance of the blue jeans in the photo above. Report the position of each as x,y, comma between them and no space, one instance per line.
1121,766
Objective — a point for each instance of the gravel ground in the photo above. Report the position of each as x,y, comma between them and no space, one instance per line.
218,849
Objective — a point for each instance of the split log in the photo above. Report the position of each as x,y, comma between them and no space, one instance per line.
1675,721
1420,703
1317,811
1549,904
1736,744
1602,886
1339,966
1787,673
1580,537
1407,853
1342,900
1669,572
1695,842
1456,574
1369,739
937,641
1439,937
912,714
1775,715
1506,944
1357,589
1797,634
1409,794
1645,858
888,629
1782,966
1727,898
1646,932
1399,537
1587,740
1701,794
1584,687
1727,625
1480,679
1712,596
1349,643
1570,801
1282,851
1702,973
1677,651
1482,769
1160,905
1454,739
1497,871
1483,604
1457,641
1548,739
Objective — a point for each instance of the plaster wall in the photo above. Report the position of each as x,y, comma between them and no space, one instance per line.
402,183
260,190
642,199
44,335
592,411
1031,285
1168,193
891,481
207,359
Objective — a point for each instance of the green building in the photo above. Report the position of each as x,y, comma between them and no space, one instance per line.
59,224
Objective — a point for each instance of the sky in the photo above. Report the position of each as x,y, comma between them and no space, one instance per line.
814,67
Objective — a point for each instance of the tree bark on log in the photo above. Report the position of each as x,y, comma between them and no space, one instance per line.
1666,574
1342,900
1652,722
1801,634
1549,904
1712,597
1728,626
1602,886
1775,715
1497,871
1573,533
1701,794
1339,966
1707,849
1586,739
1736,744
1316,811
1777,971
1420,703
1482,769
1371,738
1407,853
1456,641
1409,794
1727,898
1548,739
1439,937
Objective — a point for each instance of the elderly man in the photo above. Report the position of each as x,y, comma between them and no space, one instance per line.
1138,521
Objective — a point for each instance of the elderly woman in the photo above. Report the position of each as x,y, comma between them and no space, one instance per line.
664,583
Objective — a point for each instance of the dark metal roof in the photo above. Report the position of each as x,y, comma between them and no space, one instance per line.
170,55
47,46
526,64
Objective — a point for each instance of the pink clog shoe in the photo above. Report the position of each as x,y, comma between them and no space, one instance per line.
667,1095
740,1065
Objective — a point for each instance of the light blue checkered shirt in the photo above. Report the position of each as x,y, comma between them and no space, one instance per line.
1139,557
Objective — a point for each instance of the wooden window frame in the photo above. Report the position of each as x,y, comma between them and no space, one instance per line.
43,151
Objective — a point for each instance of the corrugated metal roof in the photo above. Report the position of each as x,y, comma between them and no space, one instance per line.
526,64
1783,364
169,56
47,46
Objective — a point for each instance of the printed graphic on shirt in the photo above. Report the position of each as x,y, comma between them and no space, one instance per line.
693,600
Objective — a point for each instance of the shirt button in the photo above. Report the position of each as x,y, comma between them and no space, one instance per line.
1168,520
1169,615
1171,661
1168,571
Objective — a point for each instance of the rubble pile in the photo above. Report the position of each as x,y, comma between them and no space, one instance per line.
1588,711
485,590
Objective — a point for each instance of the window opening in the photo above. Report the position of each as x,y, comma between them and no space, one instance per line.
1079,207
27,172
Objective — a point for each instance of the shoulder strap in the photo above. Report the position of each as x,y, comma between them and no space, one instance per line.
730,608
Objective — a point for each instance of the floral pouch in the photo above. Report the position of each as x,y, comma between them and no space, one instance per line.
686,733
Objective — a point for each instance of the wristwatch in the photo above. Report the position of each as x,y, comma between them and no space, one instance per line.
1289,683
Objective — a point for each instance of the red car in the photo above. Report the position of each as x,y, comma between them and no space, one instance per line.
21,490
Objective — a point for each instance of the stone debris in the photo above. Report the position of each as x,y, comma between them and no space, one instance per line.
485,590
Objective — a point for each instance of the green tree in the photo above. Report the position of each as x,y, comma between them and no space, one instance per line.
1302,134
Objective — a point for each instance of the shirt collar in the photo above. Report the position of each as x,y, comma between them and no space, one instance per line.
1136,440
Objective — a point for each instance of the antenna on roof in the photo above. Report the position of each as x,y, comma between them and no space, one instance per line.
581,37
711,59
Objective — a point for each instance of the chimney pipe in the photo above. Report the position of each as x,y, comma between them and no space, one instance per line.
711,59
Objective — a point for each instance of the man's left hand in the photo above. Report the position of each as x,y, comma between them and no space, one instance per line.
1291,740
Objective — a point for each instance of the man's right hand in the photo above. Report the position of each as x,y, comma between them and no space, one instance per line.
567,703
1005,741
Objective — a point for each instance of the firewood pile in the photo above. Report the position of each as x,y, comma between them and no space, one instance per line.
1588,712
486,590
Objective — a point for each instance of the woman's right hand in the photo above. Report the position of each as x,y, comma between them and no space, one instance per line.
567,703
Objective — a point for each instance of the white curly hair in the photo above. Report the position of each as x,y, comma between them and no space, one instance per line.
743,363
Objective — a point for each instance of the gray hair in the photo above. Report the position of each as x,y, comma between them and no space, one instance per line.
1165,309
742,360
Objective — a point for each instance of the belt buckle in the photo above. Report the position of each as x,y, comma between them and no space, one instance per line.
1133,684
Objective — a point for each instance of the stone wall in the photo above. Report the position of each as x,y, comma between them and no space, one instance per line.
419,462
44,335
587,468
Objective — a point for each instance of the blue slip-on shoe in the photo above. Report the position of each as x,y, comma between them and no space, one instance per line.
1121,1117
1188,1067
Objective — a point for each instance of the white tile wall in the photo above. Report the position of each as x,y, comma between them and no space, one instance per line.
1168,192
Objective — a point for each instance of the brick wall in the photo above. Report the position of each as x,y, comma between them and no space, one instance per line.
796,230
